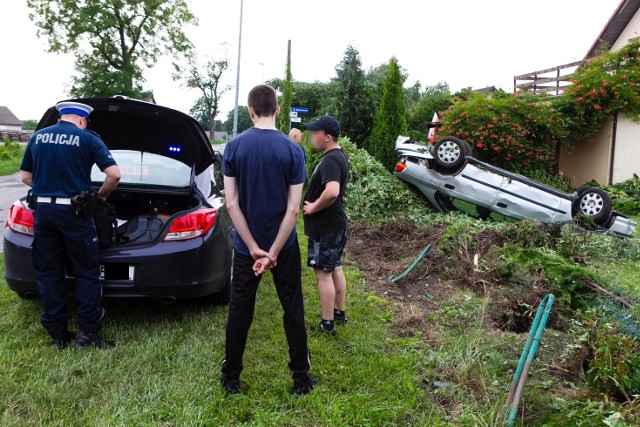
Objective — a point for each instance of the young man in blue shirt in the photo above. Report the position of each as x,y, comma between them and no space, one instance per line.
264,174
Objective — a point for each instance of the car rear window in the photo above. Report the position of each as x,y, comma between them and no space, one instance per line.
142,168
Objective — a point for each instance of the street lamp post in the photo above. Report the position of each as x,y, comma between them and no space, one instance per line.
235,111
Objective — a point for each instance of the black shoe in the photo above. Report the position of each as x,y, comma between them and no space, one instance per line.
340,320
324,329
93,340
303,385
229,384
63,342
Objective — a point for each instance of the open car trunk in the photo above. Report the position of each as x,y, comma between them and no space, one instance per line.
143,216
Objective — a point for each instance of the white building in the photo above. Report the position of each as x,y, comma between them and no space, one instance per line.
9,121
615,154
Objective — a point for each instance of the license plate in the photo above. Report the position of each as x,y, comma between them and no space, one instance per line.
120,272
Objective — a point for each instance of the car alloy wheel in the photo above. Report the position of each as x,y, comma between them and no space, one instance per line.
591,204
449,152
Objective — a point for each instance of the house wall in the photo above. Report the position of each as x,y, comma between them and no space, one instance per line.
626,160
627,155
592,161
11,128
588,161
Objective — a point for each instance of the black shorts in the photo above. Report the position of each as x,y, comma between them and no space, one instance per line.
325,252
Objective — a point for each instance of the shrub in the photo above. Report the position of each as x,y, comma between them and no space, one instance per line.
520,132
9,149
514,132
373,193
606,85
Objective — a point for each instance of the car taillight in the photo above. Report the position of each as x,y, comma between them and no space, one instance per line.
20,219
400,167
193,224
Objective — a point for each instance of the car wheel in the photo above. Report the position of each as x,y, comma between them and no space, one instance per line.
593,203
28,296
450,154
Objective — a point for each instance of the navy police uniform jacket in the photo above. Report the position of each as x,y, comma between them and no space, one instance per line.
61,156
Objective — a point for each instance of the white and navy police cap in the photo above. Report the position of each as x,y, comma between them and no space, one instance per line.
67,107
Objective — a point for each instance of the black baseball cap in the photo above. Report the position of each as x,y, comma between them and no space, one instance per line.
327,124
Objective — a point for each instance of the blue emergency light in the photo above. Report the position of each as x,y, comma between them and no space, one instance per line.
175,149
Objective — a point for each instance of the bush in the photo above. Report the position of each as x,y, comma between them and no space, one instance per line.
514,132
605,85
9,150
520,132
373,193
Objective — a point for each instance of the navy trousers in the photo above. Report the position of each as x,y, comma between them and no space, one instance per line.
61,235
288,281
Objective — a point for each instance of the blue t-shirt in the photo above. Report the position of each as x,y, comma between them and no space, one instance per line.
61,156
265,163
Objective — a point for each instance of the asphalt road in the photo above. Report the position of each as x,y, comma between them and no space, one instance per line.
11,189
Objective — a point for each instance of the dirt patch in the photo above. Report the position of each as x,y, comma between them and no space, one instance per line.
456,261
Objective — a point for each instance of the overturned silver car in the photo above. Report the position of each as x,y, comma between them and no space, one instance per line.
446,172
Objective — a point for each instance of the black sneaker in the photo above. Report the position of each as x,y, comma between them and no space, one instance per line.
229,384
63,342
93,340
303,385
324,329
340,320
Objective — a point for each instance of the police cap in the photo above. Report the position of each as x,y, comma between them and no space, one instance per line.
77,108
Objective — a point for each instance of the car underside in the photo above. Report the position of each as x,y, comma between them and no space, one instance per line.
446,172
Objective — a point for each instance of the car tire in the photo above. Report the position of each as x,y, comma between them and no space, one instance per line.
593,203
28,296
450,154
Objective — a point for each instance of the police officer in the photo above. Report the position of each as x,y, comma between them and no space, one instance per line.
57,166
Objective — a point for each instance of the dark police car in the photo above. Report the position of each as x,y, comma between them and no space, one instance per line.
173,237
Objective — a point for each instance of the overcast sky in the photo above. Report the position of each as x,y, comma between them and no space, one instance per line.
463,42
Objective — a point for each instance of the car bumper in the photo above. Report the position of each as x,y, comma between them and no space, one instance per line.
187,269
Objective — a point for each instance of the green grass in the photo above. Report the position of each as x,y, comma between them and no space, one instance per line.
165,369
11,165
381,369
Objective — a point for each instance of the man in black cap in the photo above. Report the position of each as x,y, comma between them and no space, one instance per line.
57,166
325,221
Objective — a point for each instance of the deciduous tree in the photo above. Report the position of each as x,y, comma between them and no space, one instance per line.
206,78
112,40
244,120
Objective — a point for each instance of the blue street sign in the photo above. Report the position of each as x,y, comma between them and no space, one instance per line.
301,110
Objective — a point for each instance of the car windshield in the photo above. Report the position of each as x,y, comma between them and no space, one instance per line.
142,168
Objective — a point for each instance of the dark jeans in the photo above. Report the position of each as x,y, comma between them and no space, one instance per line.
61,235
288,281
